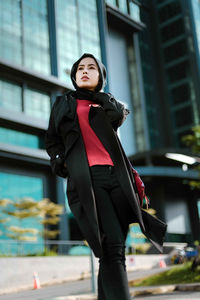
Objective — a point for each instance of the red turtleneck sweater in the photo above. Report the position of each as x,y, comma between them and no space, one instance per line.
96,152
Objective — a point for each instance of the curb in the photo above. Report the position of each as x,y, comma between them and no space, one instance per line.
153,290
77,297
188,287
143,292
163,289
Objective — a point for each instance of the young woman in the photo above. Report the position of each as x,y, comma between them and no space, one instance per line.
104,192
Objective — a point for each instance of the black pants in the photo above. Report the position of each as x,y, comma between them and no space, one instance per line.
114,214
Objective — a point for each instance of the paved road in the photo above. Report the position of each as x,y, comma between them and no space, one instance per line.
84,287
70,288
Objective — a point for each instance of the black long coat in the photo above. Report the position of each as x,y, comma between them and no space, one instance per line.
64,143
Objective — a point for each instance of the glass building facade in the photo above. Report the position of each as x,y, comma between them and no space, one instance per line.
24,34
19,186
39,41
77,33
177,65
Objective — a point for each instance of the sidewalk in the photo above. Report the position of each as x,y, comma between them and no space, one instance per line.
141,291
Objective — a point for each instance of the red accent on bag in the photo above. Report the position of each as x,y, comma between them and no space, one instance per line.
140,185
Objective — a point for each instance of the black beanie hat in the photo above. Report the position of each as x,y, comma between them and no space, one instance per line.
101,67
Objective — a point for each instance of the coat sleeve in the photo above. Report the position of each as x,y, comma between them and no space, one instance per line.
115,110
54,146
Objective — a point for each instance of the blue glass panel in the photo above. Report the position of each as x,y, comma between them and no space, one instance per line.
196,19
198,205
36,104
111,2
14,137
25,21
36,36
16,187
135,236
123,6
10,31
10,96
134,11
77,32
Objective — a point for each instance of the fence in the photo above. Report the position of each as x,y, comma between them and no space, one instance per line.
42,247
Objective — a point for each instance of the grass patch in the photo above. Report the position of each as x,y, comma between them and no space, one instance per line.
177,274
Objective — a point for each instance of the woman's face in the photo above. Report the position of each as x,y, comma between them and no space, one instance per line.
87,74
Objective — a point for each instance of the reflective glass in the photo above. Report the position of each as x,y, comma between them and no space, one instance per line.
36,36
134,11
198,205
181,94
24,34
111,2
184,116
77,32
89,31
67,37
14,137
148,74
169,10
196,13
10,96
175,51
10,31
17,187
172,30
36,104
178,72
123,6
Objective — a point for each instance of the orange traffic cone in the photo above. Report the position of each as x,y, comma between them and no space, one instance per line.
162,263
36,281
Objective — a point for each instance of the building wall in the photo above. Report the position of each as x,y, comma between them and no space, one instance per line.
169,51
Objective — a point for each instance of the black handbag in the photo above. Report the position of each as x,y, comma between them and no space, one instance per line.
155,230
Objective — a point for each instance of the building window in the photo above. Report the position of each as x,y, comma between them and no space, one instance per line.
183,116
77,32
172,30
123,6
175,51
178,72
24,35
180,94
134,11
36,36
14,137
10,31
36,104
18,187
10,96
198,206
169,10
112,2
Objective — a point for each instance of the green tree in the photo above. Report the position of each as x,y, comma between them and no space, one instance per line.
193,142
